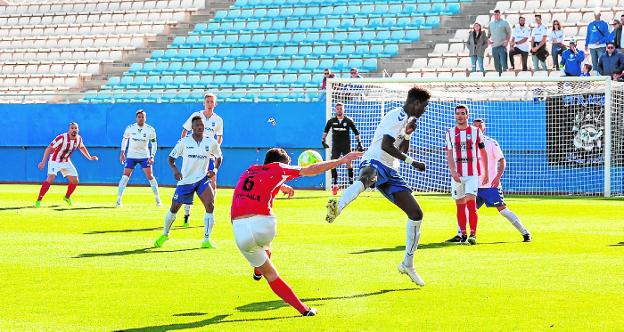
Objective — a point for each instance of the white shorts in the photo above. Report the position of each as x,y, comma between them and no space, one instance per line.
253,235
469,185
65,167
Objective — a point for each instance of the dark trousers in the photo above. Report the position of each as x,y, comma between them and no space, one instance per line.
525,58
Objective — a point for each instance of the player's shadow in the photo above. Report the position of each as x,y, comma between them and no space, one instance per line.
219,319
620,244
433,245
148,250
272,305
83,208
136,230
22,207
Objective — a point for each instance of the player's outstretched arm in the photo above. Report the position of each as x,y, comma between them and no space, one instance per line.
324,166
387,144
85,152
46,154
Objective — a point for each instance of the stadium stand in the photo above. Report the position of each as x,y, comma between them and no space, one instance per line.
450,58
260,50
50,47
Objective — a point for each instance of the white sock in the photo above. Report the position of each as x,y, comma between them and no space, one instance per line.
123,182
187,209
208,225
412,237
169,219
154,186
514,220
349,194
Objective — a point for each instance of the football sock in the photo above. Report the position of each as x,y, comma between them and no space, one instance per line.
514,220
412,237
334,176
349,194
473,218
44,189
70,189
123,182
281,289
208,225
350,171
461,217
187,209
154,186
169,219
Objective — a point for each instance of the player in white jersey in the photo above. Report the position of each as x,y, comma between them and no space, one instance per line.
463,143
136,140
195,151
491,193
379,168
60,150
213,125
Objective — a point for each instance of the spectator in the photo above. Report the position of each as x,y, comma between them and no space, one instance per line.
572,60
556,38
616,24
586,71
617,36
597,36
611,63
477,43
355,73
326,74
539,36
499,33
520,44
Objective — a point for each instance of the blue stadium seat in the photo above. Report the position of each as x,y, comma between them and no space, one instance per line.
178,42
191,82
394,9
452,9
244,39
159,68
214,66
227,67
369,36
223,52
249,52
403,21
305,25
304,80
135,67
340,10
332,51
150,82
268,66
290,52
255,65
424,8
332,23
124,82
283,66
382,36
156,55
278,25
397,35
361,23
313,37
257,39
173,67
299,37
432,22
346,23
232,80
271,38
305,51
276,79
341,64
388,50
412,35
326,63
319,23
202,67
191,42
205,82
313,11
286,12
347,50
276,51
260,80
319,50
219,80
236,52
370,64
312,65
209,53
381,9
297,65
354,36
200,27
182,54
355,63
241,66
377,50
178,82
196,54
361,50
247,79
263,52
252,25
389,22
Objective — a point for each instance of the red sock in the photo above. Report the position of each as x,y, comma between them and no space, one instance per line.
461,217
256,271
44,189
473,218
70,189
281,288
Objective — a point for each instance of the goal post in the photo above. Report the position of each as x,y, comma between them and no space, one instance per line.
560,136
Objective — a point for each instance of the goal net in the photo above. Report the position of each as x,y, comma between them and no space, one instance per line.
560,136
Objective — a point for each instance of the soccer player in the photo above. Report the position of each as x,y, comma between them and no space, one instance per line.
379,168
341,141
196,151
60,150
213,127
253,221
491,193
136,140
462,143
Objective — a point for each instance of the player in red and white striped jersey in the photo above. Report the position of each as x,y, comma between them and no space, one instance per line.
60,150
463,142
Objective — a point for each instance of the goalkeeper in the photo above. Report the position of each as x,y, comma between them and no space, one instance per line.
341,141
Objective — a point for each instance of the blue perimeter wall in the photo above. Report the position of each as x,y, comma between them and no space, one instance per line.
25,131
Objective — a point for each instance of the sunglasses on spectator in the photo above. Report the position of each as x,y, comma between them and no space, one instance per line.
610,47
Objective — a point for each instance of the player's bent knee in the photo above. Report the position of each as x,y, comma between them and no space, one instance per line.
368,176
415,214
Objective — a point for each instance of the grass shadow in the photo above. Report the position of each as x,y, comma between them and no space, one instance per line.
83,208
136,230
189,314
148,250
219,319
434,245
23,207
620,244
272,305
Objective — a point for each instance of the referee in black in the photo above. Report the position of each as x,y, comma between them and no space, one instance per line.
341,141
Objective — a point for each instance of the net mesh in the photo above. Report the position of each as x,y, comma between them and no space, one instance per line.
552,133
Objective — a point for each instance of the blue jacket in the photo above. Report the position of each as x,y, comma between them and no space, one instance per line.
597,32
571,62
610,64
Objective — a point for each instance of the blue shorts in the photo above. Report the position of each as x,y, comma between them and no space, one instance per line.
184,193
132,162
388,180
491,197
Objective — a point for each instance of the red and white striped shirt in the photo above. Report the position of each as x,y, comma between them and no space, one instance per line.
465,145
63,146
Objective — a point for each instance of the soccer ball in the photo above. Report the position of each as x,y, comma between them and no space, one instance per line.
309,157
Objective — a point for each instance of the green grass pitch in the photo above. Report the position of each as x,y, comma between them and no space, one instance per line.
91,267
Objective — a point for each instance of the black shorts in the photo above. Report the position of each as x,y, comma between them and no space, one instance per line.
339,151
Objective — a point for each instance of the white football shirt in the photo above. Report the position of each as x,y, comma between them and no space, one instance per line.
138,141
195,157
495,154
392,124
213,126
